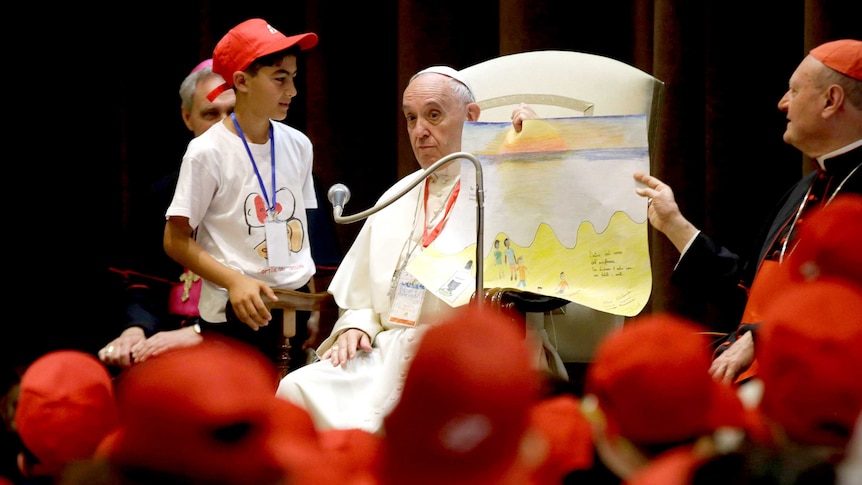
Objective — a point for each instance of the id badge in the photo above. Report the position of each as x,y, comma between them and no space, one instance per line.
277,245
407,301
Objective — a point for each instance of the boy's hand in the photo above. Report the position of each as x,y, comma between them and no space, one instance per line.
248,305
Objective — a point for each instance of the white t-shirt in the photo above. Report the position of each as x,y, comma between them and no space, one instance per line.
220,193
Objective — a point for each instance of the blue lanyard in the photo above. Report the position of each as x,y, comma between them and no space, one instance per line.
270,207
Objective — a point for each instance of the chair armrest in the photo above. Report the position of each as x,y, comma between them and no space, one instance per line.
297,300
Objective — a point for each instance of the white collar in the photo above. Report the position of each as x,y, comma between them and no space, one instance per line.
446,174
821,160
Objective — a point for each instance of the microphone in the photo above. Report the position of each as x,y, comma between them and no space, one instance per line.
338,195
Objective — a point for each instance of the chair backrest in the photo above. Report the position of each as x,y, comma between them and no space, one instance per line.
566,84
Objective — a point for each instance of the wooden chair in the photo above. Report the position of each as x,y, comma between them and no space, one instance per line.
565,84
290,302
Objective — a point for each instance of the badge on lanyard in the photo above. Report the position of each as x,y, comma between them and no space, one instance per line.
407,300
277,244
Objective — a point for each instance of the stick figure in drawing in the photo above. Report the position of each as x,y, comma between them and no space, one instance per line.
522,273
498,259
564,284
510,259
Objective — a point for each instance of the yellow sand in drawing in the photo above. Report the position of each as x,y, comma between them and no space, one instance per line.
609,271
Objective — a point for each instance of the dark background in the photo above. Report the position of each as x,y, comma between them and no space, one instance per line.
102,87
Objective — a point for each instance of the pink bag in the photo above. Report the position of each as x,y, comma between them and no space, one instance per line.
185,295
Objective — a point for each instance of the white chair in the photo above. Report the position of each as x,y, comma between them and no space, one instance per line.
567,84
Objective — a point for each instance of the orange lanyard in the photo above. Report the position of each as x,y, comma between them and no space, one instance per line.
428,238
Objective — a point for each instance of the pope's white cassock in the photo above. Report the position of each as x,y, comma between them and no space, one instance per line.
362,392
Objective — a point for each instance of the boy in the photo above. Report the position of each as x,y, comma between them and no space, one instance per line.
245,185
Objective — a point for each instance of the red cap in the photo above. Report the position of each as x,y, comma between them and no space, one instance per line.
560,421
675,467
248,41
651,379
207,412
66,407
829,242
808,352
355,451
844,56
301,448
465,406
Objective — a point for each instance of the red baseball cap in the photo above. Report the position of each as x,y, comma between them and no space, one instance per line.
675,467
829,239
208,412
300,448
844,56
651,380
569,437
246,42
355,450
808,352
465,406
66,406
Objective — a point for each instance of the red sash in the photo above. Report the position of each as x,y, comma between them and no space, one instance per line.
768,282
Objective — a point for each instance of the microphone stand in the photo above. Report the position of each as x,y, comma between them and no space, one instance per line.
480,211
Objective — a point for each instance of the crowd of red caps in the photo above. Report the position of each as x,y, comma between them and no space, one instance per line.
471,412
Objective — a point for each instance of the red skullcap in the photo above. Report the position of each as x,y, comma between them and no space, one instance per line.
844,56
203,65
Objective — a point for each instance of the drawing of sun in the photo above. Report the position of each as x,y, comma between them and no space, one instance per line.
536,136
